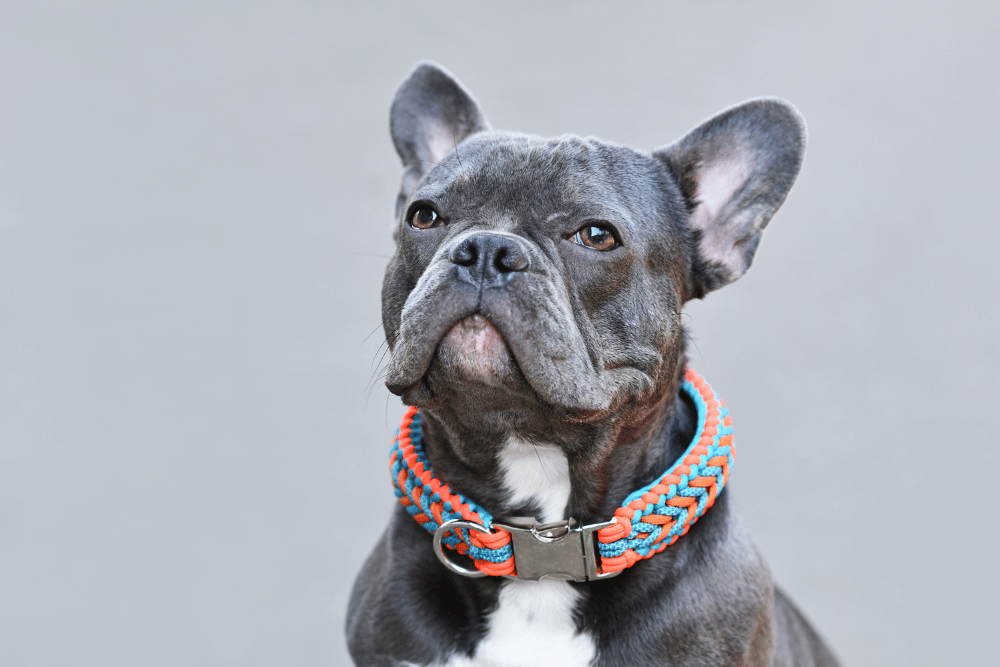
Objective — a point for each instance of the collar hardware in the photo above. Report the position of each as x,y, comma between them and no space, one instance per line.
559,550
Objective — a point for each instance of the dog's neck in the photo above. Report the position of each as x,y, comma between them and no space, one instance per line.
526,477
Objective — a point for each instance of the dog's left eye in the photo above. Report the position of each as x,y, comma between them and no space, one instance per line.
597,237
425,217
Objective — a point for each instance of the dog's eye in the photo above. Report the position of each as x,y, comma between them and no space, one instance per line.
425,217
595,236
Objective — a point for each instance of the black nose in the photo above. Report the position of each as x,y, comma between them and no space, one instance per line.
490,259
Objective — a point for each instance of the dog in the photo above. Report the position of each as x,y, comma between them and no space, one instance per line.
554,506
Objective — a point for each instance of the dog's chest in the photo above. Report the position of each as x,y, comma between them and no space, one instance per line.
534,621
532,625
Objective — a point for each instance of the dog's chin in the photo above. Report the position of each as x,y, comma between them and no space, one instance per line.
471,362
474,351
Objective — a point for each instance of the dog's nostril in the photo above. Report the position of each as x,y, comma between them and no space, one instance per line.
509,259
465,254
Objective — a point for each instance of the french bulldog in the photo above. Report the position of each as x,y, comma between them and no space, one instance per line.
533,312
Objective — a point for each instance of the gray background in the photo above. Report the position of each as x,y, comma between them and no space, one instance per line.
195,201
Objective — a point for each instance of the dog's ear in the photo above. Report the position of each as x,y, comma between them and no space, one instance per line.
431,114
734,171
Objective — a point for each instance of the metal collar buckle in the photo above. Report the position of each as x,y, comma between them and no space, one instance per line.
560,550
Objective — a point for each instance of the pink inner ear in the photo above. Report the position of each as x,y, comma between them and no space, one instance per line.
440,140
715,216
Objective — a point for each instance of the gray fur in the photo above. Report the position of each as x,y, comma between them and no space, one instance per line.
596,353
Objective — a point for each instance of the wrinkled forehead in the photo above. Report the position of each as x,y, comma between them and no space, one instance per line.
535,176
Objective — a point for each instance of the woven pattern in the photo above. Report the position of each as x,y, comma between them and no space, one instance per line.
649,520
432,503
655,516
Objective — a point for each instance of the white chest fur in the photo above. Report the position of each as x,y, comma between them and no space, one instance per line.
533,623
536,473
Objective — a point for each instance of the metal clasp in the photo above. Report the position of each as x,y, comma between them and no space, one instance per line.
560,550
446,528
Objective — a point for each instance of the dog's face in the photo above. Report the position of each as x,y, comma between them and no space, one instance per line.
537,283
537,276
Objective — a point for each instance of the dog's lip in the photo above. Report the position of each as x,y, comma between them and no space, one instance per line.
413,388
474,349
415,349
569,382
472,345
479,328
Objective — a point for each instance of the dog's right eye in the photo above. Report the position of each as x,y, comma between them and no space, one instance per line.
597,237
425,217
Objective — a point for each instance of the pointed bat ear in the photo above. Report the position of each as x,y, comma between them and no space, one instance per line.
734,171
431,114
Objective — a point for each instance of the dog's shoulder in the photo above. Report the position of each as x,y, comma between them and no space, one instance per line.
405,607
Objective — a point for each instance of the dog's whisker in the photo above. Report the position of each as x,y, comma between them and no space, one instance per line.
378,367
458,154
377,376
541,465
373,383
386,344
690,338
387,427
372,333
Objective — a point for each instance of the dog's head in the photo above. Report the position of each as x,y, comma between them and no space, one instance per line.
537,284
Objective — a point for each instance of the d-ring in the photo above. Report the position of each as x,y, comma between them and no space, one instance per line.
446,528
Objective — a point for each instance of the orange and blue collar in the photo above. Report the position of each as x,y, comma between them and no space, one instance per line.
648,521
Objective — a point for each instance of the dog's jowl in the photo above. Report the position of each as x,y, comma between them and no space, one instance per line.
560,471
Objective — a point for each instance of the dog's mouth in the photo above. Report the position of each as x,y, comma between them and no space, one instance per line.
472,355
474,349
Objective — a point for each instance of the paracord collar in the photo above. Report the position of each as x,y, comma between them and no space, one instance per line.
648,521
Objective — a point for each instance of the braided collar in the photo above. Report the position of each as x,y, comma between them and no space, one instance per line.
648,521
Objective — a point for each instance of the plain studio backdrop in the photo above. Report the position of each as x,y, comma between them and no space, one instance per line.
195,204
